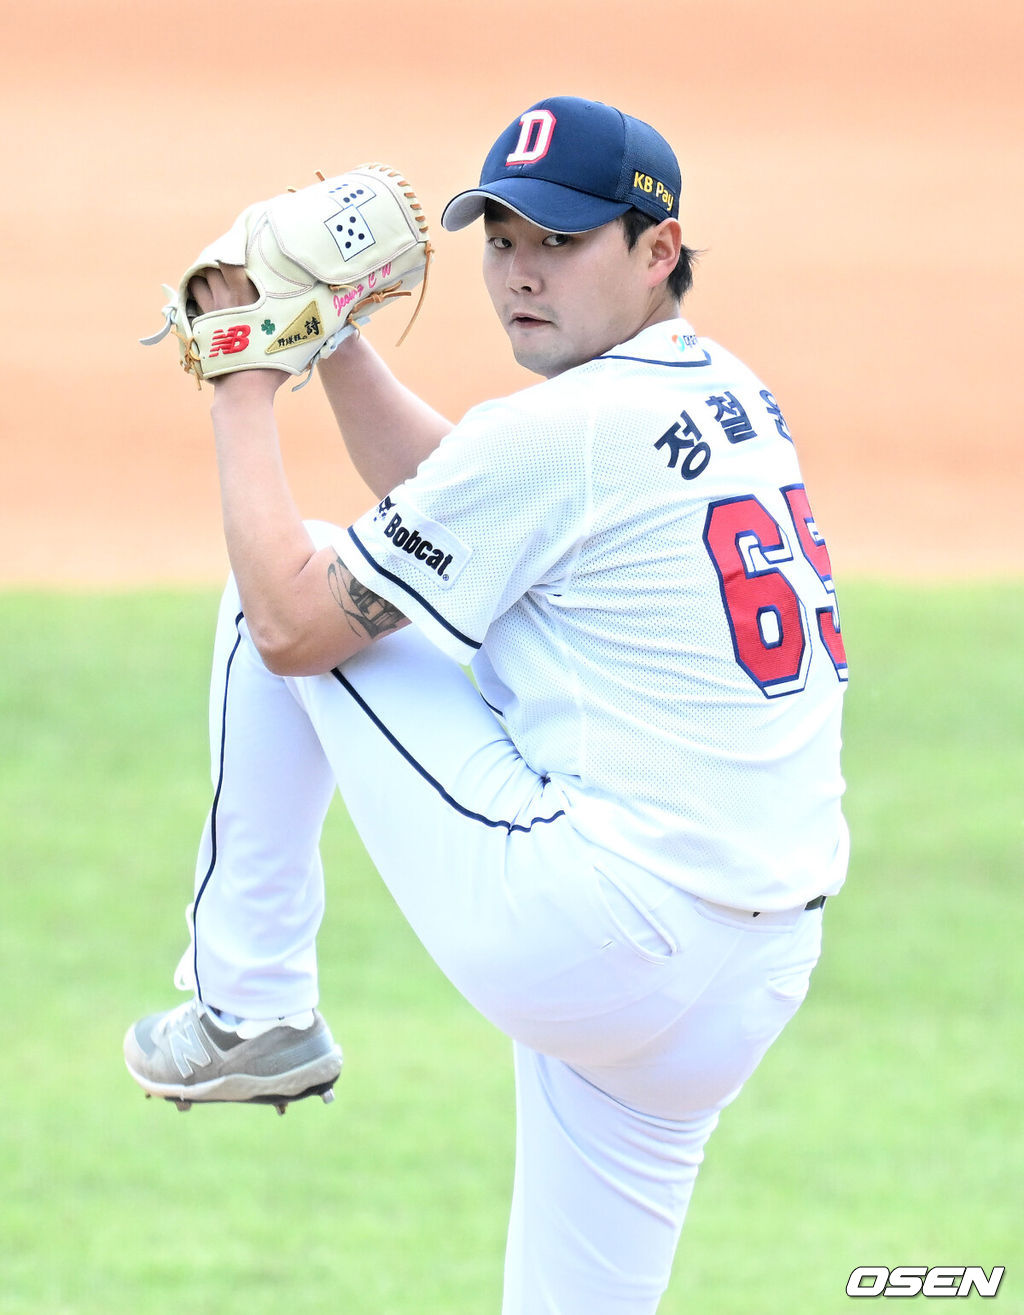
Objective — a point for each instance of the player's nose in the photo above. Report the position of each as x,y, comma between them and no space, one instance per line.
522,274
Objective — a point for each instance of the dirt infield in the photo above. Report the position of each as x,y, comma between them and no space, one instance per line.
849,172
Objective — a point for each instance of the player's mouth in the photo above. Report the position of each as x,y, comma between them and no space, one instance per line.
521,320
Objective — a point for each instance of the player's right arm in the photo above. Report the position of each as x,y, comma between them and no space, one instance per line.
305,610
387,429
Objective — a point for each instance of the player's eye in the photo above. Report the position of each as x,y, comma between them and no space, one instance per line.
498,242
557,239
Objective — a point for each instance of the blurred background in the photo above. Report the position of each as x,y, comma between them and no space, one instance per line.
852,173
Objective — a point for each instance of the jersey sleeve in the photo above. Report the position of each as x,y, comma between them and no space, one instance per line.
496,512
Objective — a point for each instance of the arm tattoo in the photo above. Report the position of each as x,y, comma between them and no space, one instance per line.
366,612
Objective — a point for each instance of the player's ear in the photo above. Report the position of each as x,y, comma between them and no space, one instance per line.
663,244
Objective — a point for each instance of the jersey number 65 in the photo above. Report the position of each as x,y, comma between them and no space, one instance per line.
767,617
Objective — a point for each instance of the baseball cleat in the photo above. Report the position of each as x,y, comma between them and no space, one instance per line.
187,1055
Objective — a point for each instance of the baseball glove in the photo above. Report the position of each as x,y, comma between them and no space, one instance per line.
322,260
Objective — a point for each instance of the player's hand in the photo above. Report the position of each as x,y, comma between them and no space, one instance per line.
221,287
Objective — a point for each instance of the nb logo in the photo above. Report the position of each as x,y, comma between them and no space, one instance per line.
188,1052
535,131
225,342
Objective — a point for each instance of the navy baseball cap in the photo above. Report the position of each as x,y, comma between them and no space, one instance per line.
570,165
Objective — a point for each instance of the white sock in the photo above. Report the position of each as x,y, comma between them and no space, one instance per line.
247,1028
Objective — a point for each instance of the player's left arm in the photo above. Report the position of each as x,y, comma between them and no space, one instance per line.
388,430
305,611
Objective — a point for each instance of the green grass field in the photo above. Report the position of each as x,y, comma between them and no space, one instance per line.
885,1128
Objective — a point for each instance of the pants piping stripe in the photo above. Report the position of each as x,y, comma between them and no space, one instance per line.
213,810
418,767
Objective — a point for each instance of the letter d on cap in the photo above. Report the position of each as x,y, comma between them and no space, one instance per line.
535,129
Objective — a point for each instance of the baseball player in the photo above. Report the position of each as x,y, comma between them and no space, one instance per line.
617,840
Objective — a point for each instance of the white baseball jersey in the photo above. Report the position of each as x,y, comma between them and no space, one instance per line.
626,556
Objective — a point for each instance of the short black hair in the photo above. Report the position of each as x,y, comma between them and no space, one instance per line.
634,222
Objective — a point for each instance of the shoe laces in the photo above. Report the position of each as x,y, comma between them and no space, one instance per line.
174,1018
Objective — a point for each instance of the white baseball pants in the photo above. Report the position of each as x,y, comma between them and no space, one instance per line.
636,1010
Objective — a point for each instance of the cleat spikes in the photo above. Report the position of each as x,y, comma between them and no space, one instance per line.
183,1105
327,1096
282,1109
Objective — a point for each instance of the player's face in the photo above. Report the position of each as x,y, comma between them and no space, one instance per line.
564,298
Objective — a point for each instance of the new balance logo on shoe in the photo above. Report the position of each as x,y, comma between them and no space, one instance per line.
187,1050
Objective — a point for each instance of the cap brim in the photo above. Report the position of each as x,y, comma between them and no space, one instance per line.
548,205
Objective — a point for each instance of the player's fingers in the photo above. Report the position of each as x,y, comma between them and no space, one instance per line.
237,285
201,291
219,287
